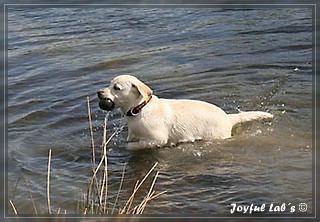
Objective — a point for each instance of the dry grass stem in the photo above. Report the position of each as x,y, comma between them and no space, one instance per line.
120,187
154,196
130,200
105,164
139,209
91,134
48,183
13,207
31,197
102,184
127,206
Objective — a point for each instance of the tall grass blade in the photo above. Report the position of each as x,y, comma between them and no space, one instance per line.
48,183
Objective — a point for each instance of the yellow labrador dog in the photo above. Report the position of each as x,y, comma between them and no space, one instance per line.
154,122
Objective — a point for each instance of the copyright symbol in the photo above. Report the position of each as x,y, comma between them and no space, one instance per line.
303,207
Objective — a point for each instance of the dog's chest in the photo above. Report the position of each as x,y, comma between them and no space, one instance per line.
138,127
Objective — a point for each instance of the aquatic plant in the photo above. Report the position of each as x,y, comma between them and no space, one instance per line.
96,199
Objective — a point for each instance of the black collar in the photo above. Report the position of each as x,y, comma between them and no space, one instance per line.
136,110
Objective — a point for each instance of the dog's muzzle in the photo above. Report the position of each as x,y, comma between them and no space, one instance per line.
105,103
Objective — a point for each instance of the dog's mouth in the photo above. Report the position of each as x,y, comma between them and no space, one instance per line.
106,104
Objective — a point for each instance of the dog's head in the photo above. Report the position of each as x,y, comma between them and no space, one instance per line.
124,92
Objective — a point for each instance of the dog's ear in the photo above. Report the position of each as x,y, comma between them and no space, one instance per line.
143,89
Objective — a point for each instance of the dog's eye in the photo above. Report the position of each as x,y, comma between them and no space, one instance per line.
116,87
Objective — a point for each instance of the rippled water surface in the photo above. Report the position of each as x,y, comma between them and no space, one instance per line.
253,59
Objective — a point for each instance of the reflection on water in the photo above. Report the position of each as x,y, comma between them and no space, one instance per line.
257,59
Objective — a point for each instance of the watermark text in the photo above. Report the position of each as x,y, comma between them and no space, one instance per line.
271,208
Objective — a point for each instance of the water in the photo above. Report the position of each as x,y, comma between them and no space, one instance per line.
258,59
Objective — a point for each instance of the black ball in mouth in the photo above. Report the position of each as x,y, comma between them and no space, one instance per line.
106,104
